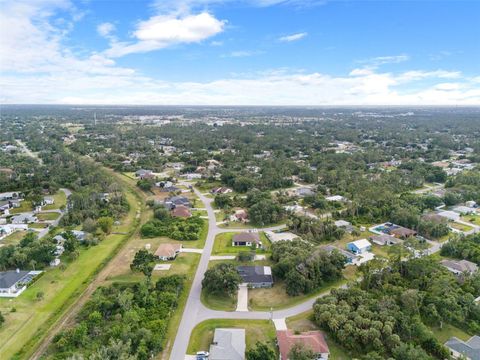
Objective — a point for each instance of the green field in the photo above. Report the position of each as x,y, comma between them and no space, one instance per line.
60,200
220,302
25,206
255,330
48,216
25,327
447,331
13,238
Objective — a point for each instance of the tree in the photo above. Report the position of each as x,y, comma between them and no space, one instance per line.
300,352
161,213
222,278
89,225
40,295
260,352
105,223
222,201
143,261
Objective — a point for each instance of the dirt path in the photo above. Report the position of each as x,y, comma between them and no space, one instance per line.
70,314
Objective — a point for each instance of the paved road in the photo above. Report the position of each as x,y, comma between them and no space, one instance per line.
195,312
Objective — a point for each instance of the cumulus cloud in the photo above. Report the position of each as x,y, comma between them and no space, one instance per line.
162,31
293,37
105,29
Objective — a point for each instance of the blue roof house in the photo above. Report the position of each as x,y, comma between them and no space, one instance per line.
359,246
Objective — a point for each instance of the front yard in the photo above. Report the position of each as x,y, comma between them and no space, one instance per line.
223,244
255,330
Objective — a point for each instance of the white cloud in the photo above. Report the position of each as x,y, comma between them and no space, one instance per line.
105,29
241,53
162,31
38,68
381,60
293,37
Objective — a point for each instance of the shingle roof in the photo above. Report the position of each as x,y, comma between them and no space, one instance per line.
228,344
255,274
167,250
9,278
247,237
471,348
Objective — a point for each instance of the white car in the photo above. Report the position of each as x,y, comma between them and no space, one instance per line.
203,355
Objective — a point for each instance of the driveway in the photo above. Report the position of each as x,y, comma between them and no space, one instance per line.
242,298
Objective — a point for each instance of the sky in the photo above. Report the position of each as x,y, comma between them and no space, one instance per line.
240,52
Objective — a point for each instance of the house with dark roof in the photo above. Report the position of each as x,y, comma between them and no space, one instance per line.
256,276
171,202
402,232
246,239
470,349
14,282
313,340
228,344
144,174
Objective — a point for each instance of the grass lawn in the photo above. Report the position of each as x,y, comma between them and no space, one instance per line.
200,212
223,244
304,322
472,219
277,297
38,225
13,238
239,225
219,215
24,328
221,302
255,330
460,227
48,216
60,200
25,206
448,331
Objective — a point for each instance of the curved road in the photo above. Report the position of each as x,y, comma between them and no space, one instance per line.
195,312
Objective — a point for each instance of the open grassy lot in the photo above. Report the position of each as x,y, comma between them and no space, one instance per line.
60,200
304,322
25,206
29,324
48,216
221,302
460,227
472,219
13,238
277,297
447,331
255,330
38,225
223,244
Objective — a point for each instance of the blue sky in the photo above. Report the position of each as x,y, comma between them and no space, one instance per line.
240,52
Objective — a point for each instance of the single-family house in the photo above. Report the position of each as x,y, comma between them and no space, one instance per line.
313,340
80,235
449,215
345,225
402,232
280,236
384,239
304,192
338,198
221,190
24,218
12,195
144,174
174,201
256,276
228,344
14,282
168,251
359,246
48,200
469,350
239,216
181,211
460,266
246,239
464,210
192,176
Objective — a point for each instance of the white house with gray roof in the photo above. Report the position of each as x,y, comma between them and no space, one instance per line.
470,349
14,282
228,344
